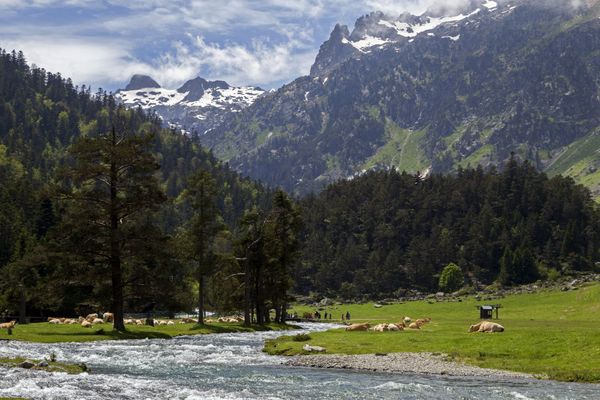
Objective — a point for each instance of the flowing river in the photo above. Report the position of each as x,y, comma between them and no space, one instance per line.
232,366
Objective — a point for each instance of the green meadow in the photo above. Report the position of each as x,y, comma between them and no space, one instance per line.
554,335
47,333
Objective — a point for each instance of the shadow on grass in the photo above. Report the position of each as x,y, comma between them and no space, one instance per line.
113,334
233,328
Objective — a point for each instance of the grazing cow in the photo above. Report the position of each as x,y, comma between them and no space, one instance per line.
486,326
86,324
108,317
358,327
97,321
8,325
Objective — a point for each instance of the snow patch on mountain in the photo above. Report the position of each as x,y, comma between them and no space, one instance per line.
215,97
151,97
408,30
198,105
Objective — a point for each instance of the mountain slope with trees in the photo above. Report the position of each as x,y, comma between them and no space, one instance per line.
432,93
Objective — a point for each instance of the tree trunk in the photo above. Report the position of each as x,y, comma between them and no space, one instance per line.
22,306
247,292
277,313
283,313
200,299
115,250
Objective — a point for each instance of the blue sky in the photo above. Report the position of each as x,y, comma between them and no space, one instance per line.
245,42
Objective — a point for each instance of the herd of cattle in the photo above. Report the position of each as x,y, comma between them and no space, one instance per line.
408,323
94,319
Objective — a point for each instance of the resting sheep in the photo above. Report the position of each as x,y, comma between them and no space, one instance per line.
86,324
97,321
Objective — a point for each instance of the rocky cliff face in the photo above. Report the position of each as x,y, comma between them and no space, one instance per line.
432,93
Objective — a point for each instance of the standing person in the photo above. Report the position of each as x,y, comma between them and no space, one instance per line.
347,315
342,316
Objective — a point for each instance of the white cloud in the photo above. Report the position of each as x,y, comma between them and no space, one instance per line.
84,60
100,47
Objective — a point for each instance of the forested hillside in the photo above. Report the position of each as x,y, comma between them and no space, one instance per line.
41,116
385,232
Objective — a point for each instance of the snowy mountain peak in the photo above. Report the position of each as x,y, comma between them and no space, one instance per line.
141,82
378,30
197,105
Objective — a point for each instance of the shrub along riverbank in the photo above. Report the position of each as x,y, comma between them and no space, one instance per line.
47,333
551,334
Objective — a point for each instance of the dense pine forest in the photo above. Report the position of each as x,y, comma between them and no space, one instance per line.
103,208
385,232
51,239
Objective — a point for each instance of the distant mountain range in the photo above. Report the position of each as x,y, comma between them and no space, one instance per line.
427,93
198,105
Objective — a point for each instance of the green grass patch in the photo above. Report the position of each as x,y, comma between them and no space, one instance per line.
477,157
402,150
549,334
53,366
47,333
578,154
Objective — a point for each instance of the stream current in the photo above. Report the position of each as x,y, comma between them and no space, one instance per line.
232,366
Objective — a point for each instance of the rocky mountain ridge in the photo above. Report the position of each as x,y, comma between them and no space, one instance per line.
434,92
199,105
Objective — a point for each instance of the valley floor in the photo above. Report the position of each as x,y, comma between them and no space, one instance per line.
550,334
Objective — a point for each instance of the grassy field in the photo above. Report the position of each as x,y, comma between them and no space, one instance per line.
47,333
549,334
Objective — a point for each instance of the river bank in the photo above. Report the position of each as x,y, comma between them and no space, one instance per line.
404,363
551,334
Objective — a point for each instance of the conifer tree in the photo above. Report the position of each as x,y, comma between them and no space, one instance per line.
114,185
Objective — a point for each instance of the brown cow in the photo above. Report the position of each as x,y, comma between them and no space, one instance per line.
414,325
358,327
108,317
8,325
486,326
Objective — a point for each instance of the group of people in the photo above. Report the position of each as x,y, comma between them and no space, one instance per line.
345,317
